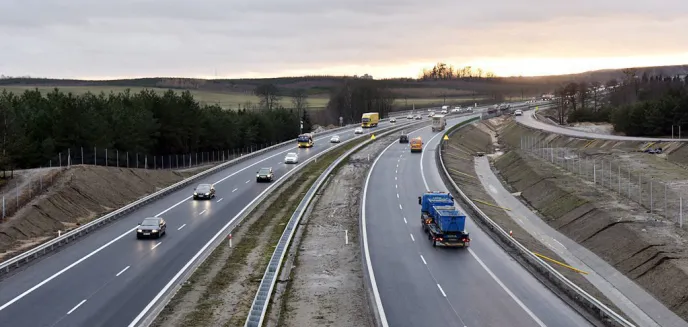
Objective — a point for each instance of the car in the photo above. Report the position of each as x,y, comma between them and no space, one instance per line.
392,120
431,114
358,130
291,158
151,227
403,138
335,139
419,117
204,191
444,111
456,110
518,112
265,175
409,116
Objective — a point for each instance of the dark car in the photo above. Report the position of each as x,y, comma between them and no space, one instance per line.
204,191
265,175
152,227
403,138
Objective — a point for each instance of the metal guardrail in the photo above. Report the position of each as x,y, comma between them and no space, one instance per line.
593,305
260,303
49,246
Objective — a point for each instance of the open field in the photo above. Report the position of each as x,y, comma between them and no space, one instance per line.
228,100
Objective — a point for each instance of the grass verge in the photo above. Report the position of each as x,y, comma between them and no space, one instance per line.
251,253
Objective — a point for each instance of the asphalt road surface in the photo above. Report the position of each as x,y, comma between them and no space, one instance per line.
424,286
528,120
108,277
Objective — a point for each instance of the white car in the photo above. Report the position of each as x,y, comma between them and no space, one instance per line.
518,112
291,158
358,130
456,110
444,111
409,116
392,120
431,114
334,139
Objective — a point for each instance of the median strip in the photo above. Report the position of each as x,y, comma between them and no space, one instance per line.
220,292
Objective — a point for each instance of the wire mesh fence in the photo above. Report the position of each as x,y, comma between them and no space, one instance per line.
661,198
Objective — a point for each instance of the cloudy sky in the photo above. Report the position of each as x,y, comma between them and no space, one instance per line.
98,39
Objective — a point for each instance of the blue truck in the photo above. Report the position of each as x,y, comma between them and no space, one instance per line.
442,221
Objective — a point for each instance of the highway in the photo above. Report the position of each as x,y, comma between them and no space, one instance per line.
528,120
419,285
108,277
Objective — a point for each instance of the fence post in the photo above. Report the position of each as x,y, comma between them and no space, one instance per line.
117,158
127,159
176,159
82,155
95,156
3,207
59,155
69,157
106,158
137,160
145,162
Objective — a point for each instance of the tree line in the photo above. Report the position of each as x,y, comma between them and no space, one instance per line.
636,105
36,127
358,96
443,71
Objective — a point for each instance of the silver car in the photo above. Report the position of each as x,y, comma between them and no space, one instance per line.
358,130
291,158
334,139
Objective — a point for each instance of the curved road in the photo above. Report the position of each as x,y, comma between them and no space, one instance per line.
419,285
528,120
108,277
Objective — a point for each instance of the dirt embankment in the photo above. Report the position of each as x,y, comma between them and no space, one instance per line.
76,196
327,286
458,158
648,248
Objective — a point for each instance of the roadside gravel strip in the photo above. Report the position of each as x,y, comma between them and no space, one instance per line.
220,292
325,281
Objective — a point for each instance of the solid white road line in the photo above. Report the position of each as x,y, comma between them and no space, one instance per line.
424,262
247,182
405,222
220,199
234,190
123,270
180,227
441,290
494,277
412,239
202,212
76,307
45,281
155,246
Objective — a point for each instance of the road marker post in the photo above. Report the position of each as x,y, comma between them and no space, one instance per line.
230,240
346,237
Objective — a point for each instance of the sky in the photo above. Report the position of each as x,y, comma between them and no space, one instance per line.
97,39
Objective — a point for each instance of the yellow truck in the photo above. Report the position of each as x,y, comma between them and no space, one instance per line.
417,144
305,140
370,119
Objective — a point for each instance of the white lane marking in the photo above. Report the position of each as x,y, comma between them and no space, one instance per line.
395,178
76,307
123,270
441,290
27,292
400,207
198,254
220,199
405,222
396,171
397,165
506,289
180,227
202,212
424,262
397,195
247,182
234,190
396,185
155,246
422,173
412,239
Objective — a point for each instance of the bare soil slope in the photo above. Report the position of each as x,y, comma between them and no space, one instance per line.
78,195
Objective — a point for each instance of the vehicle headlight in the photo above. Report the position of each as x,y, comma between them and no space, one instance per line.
139,231
155,231
195,193
207,193
257,175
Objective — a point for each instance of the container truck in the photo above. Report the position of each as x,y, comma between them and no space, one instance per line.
438,123
442,221
370,119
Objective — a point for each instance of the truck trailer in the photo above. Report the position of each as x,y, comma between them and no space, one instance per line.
439,122
442,221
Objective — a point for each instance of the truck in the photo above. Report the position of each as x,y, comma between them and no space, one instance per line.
416,144
438,123
370,119
305,140
442,221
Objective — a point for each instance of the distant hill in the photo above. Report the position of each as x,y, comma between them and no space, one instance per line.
322,85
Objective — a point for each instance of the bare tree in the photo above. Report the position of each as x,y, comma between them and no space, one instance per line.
300,99
269,96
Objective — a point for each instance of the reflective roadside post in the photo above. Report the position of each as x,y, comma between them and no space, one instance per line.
301,127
